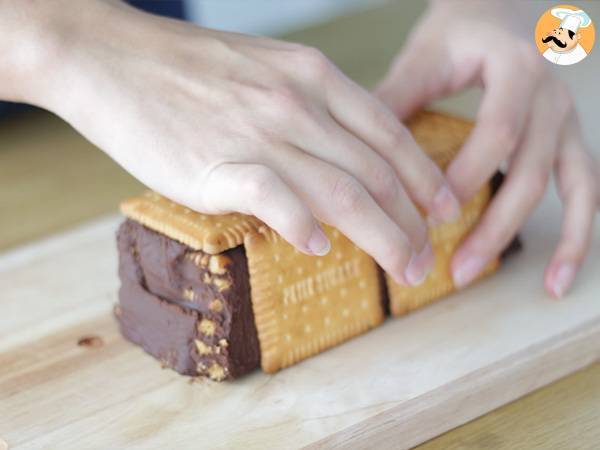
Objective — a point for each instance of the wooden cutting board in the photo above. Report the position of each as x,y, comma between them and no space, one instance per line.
403,383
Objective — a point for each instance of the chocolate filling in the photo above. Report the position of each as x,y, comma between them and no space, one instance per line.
179,311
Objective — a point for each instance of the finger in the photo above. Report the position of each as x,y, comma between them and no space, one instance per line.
257,190
328,141
414,80
369,120
339,199
522,190
578,188
500,123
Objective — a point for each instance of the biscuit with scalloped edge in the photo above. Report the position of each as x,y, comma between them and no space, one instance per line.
209,233
306,304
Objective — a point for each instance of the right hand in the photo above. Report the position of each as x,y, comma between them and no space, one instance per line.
224,122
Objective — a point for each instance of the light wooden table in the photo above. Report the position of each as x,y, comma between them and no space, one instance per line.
51,179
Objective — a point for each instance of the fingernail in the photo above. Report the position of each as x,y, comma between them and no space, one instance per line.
419,266
562,279
467,271
446,207
319,244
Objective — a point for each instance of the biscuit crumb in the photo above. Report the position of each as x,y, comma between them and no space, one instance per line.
188,294
206,327
216,305
218,264
202,348
223,343
216,372
222,284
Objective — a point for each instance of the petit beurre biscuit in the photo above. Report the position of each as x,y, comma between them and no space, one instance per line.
210,233
305,304
302,304
441,137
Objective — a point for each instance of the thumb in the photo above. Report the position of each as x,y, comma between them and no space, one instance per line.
418,76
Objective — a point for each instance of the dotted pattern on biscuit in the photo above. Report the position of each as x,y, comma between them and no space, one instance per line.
441,137
445,239
305,304
210,233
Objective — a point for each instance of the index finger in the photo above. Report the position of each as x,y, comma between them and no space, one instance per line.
500,122
371,121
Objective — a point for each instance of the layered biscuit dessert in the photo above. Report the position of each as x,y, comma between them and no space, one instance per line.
221,295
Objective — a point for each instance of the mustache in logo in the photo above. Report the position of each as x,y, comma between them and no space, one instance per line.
555,40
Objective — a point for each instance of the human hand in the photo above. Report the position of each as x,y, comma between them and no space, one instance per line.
225,122
526,117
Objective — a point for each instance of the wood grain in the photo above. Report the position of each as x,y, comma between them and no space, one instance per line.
52,178
433,370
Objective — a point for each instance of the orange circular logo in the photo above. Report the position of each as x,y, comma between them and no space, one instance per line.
565,35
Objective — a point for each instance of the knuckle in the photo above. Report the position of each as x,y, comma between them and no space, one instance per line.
313,62
284,102
259,184
386,184
347,194
394,134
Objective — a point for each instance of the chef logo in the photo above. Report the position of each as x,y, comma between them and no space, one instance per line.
565,35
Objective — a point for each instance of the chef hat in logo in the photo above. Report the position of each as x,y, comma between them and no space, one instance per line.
572,20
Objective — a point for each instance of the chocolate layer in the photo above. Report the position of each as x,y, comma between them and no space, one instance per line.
515,244
164,330
208,324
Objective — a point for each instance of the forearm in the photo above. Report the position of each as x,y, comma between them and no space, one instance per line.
37,36
27,44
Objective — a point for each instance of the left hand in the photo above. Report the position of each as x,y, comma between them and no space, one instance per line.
526,117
